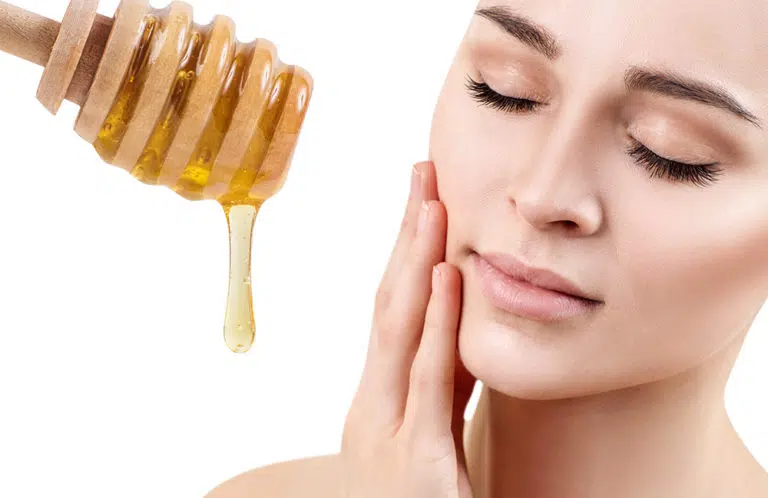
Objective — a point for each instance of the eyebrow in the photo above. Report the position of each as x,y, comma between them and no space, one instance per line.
659,81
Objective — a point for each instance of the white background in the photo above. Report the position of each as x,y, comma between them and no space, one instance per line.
114,377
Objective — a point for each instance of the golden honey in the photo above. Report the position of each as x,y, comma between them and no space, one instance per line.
239,325
242,150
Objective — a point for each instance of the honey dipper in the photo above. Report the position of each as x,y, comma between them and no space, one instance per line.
175,104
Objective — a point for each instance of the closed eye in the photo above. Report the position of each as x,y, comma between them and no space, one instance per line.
661,167
484,94
656,165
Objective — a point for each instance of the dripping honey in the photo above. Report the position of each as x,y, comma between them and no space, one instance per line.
236,194
239,325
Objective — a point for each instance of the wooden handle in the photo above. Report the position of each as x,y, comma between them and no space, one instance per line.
32,37
172,102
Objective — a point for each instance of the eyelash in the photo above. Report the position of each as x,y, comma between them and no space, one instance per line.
659,167
485,95
702,175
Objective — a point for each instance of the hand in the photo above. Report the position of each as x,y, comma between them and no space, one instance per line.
403,432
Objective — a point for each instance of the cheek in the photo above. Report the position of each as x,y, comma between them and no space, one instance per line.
453,144
474,150
694,273
459,152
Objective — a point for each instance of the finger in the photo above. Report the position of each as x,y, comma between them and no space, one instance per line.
430,404
408,228
464,385
397,328
420,180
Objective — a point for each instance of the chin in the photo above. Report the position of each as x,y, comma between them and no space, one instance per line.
535,363
513,372
509,360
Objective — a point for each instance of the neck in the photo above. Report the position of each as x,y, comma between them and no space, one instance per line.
670,439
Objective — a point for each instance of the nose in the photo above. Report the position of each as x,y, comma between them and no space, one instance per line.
555,190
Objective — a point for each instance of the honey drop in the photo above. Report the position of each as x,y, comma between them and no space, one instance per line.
239,324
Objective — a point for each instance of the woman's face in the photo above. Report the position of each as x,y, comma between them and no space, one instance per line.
679,257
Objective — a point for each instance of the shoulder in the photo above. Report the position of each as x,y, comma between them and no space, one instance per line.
316,477
762,483
757,487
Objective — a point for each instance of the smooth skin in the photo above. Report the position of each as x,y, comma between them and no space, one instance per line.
624,402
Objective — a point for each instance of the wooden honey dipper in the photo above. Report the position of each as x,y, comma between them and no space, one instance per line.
175,104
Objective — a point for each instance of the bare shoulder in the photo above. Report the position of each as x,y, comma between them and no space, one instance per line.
757,487
316,477
762,483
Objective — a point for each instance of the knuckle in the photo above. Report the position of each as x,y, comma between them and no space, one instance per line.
390,333
423,379
435,453
420,380
425,446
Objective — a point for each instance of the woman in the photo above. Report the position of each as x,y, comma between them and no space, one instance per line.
614,156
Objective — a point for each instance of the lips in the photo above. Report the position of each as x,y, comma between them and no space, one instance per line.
538,277
529,292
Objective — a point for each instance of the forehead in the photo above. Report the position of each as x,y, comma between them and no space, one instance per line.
725,41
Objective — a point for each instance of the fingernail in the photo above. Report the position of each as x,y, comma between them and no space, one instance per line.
436,276
423,215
